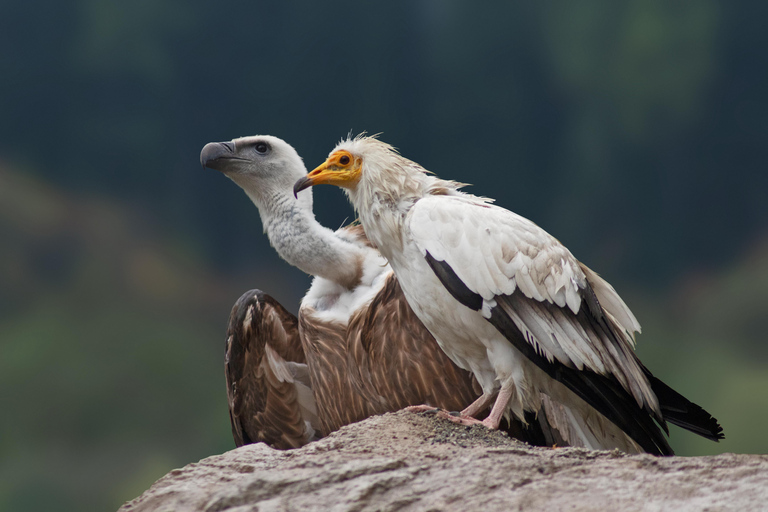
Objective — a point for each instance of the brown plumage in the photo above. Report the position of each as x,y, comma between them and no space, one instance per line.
264,368
338,402
353,371
392,354
383,360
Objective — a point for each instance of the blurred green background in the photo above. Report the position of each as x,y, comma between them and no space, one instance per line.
635,132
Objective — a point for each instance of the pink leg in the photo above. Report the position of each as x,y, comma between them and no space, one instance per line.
461,420
466,417
493,419
478,405
471,411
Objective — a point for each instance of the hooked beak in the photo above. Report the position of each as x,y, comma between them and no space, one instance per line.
300,185
331,172
215,154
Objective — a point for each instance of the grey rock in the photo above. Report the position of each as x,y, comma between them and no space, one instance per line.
412,462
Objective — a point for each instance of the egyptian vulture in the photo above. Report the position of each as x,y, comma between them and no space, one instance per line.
356,348
507,301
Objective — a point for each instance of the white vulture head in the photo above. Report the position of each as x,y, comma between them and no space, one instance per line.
265,167
344,166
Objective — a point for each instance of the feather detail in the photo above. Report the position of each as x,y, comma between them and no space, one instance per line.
263,355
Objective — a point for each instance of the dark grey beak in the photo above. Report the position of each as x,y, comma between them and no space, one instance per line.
214,154
300,185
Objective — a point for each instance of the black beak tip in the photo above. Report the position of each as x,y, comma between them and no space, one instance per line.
300,185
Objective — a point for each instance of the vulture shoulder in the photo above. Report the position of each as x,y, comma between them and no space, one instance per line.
268,386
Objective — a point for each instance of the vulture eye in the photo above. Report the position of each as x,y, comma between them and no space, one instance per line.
344,160
261,148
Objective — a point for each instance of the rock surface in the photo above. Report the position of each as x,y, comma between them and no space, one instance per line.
406,461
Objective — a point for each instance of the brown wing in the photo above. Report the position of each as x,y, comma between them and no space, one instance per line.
394,356
338,401
264,362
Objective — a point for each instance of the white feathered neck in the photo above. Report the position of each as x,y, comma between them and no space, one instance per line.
289,222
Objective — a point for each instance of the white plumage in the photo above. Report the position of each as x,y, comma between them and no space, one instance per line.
507,301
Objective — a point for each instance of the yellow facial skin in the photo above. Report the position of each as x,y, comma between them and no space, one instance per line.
340,169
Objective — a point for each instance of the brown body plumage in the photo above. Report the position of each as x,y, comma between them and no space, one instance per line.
338,401
392,354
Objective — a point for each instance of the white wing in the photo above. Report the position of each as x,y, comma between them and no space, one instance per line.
560,303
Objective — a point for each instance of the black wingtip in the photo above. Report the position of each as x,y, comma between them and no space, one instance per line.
680,411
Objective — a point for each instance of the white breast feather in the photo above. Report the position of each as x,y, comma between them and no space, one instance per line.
333,302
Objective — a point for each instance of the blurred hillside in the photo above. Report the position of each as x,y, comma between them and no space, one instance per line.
111,361
634,132
704,337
